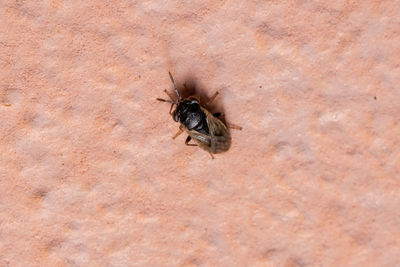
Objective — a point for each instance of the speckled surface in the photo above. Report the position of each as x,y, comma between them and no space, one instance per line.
89,175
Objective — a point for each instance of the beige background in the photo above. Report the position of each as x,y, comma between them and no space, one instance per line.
89,175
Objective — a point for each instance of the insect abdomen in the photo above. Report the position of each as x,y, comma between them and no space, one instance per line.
220,144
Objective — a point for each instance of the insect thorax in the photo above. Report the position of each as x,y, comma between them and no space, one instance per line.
190,114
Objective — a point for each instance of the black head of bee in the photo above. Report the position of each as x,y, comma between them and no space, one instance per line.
189,113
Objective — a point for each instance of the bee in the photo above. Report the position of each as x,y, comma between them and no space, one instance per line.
208,131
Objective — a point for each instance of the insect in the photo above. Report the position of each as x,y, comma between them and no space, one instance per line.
207,130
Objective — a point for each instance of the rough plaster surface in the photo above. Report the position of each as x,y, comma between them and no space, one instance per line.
89,175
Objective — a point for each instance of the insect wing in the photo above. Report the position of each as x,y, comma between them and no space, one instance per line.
202,139
219,135
216,126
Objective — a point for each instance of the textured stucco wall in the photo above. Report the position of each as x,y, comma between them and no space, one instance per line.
89,175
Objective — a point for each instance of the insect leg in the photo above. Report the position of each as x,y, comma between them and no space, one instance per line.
170,109
233,126
188,140
212,98
168,101
230,125
178,133
212,157
169,95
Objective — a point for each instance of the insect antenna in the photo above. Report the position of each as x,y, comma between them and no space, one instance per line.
169,101
176,89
